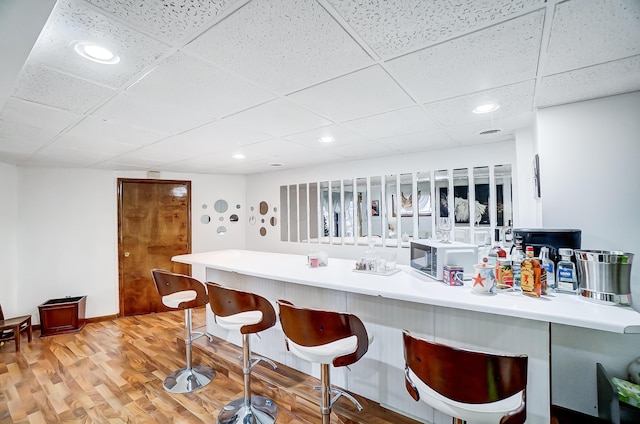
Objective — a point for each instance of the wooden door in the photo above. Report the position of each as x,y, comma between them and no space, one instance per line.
154,224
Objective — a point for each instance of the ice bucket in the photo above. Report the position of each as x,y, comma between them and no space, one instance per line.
605,276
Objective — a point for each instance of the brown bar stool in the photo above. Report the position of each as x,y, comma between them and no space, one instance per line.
248,313
183,292
465,384
324,337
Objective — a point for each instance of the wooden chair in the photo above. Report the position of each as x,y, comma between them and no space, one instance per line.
183,292
12,328
465,384
247,313
324,337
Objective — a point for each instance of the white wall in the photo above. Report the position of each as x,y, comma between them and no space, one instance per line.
528,214
590,173
9,242
68,227
67,244
266,187
590,179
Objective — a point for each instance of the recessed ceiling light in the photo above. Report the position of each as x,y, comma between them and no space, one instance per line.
486,108
238,156
326,139
96,53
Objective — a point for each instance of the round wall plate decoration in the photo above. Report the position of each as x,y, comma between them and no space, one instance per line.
221,206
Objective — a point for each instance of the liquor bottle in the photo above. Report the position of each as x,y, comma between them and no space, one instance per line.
484,250
516,260
566,279
508,236
496,254
550,267
533,279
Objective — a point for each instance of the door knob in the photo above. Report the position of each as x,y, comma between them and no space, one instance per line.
126,254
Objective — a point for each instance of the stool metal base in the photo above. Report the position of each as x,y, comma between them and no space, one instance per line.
261,411
186,380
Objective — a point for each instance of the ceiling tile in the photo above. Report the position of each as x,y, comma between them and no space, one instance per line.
469,134
27,126
63,156
40,84
277,118
397,122
211,138
341,135
13,158
362,93
18,137
497,56
203,162
111,148
393,27
588,32
139,111
148,155
74,20
49,119
169,21
284,45
607,79
416,142
363,150
95,129
514,100
187,82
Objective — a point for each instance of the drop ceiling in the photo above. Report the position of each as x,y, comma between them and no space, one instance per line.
200,81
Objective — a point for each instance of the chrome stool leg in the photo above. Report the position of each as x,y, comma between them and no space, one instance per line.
189,378
326,402
250,409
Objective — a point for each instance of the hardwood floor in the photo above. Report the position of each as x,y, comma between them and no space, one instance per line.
112,372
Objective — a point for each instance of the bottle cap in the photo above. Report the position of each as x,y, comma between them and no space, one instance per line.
529,248
565,251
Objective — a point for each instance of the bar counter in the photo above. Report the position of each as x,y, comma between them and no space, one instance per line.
505,322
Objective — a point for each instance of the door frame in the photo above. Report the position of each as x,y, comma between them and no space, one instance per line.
121,182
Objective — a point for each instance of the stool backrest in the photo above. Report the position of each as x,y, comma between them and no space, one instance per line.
314,327
225,301
168,283
464,375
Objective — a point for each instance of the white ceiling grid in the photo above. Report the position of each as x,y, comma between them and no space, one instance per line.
202,80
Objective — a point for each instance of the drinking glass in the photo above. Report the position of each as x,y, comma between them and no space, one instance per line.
444,224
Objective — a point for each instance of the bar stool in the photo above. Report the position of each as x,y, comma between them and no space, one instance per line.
324,337
183,292
248,313
465,384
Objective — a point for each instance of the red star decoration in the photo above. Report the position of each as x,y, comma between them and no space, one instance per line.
478,280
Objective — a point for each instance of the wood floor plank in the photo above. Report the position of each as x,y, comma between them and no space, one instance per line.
112,372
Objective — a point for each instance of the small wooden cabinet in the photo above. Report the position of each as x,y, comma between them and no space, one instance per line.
64,315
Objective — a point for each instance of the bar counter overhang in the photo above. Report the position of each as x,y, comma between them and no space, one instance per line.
506,323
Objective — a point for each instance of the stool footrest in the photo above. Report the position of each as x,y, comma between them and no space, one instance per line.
195,335
338,393
257,358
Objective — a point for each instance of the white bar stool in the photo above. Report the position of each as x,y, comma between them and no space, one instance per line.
183,292
247,313
324,337
480,387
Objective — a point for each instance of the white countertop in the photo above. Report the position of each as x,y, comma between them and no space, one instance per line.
412,286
